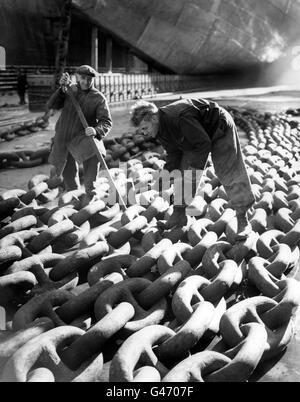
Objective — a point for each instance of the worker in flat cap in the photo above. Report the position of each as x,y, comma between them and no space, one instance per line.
71,145
190,130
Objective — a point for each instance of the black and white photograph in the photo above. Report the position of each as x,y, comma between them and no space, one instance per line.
149,194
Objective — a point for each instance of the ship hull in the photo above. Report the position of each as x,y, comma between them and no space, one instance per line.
200,36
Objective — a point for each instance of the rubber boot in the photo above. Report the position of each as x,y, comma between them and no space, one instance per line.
178,218
89,198
244,227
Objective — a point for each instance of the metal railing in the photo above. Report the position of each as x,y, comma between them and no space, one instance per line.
122,87
115,86
8,77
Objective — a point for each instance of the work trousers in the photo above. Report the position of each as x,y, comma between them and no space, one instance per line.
71,174
229,165
22,97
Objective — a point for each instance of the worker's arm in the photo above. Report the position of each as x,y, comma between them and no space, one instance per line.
173,160
196,135
174,155
104,120
57,100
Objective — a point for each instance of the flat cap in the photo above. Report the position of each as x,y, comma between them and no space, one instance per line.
86,70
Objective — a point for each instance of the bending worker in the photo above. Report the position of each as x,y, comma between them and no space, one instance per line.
71,144
189,130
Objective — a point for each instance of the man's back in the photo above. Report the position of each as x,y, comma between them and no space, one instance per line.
172,117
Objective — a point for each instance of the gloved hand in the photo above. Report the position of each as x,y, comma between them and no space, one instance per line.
90,132
65,81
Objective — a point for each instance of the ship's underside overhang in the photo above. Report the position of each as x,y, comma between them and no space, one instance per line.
200,36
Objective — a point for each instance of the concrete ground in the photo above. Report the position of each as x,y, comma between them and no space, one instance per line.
286,368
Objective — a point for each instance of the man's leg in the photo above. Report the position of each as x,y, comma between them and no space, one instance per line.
185,189
23,102
90,172
231,170
20,96
70,174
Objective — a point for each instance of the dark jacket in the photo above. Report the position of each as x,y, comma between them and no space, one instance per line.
188,125
70,134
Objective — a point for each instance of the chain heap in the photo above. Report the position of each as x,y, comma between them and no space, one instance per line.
23,128
78,280
119,149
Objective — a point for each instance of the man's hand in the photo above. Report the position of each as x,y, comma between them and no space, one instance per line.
90,132
65,81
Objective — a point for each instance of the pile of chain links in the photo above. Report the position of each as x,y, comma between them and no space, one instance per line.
28,157
118,149
86,285
21,129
